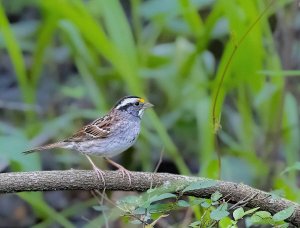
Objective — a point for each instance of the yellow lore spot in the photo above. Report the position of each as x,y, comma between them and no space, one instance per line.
141,100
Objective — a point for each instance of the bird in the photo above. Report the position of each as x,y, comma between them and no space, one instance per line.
107,136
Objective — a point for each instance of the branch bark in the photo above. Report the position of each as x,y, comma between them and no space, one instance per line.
141,181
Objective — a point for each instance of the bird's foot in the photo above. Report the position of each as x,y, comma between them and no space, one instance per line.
100,174
121,169
125,172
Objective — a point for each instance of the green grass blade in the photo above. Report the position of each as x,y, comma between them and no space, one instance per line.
36,201
16,56
44,39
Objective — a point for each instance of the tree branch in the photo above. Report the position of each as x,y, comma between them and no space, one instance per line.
141,181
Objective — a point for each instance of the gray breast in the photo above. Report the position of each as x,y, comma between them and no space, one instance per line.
123,135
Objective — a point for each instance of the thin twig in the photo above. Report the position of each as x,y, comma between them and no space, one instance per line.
243,202
158,163
130,213
101,203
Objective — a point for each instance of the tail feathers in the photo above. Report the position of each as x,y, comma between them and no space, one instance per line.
45,147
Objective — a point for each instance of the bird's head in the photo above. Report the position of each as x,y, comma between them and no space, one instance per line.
133,105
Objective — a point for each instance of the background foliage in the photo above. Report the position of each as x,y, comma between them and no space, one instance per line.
66,62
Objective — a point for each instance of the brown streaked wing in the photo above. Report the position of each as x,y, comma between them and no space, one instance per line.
100,128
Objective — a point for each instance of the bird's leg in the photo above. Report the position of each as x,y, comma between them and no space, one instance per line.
121,168
98,171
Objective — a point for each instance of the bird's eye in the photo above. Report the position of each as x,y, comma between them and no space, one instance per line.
137,103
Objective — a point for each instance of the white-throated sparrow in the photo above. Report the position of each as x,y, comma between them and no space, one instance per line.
107,136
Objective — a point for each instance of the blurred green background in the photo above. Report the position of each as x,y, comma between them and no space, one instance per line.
64,63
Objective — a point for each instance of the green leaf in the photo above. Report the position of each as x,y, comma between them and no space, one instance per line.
295,166
200,185
227,223
160,208
133,200
220,212
162,197
261,217
251,211
284,214
238,213
195,224
197,201
183,203
216,196
135,222
150,190
285,225
139,211
205,204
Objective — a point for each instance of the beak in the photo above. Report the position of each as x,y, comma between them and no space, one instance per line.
147,105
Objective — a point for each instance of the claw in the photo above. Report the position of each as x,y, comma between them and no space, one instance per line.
121,169
125,171
99,172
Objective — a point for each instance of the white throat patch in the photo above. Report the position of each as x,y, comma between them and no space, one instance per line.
141,112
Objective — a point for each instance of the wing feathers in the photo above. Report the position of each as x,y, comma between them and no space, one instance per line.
100,128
